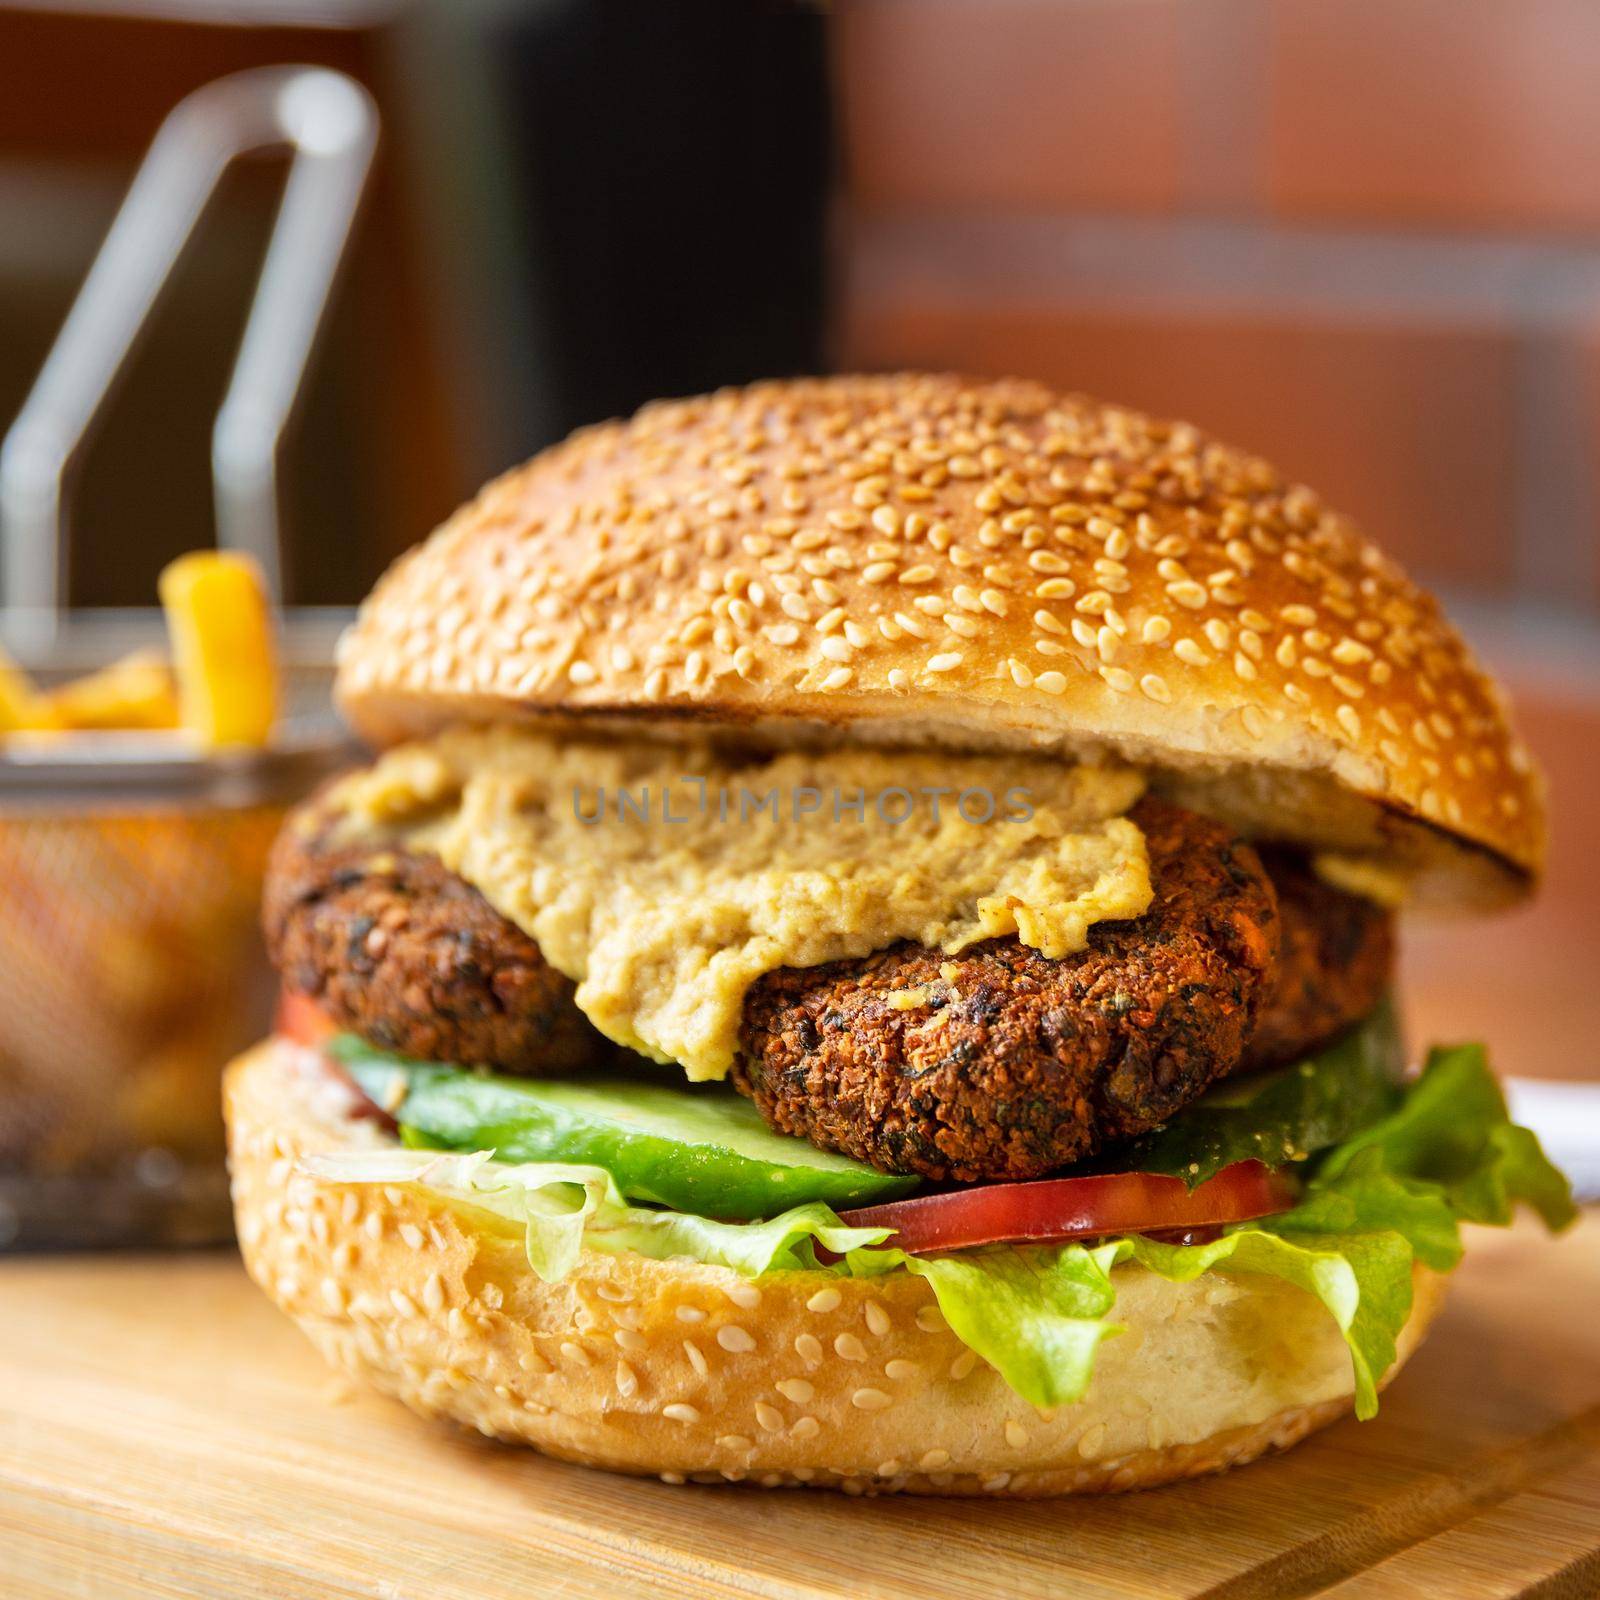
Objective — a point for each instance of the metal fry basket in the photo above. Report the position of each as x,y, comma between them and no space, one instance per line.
131,863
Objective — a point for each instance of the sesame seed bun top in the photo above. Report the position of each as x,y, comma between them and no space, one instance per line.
915,560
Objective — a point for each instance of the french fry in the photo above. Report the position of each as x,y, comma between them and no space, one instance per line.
21,704
219,621
135,692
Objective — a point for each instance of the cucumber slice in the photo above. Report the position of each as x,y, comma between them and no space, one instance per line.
707,1153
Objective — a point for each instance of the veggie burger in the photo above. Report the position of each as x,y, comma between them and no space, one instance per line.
863,958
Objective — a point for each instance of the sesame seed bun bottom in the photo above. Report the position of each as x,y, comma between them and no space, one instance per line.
691,1372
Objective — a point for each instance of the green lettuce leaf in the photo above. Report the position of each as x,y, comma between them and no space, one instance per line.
564,1209
1036,1316
1452,1130
1390,1193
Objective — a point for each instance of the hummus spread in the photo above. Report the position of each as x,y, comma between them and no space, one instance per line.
664,880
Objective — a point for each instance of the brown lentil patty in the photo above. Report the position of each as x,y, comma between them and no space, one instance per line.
397,948
1335,960
1000,1063
1017,1065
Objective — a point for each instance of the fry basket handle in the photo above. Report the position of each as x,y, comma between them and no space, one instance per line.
331,125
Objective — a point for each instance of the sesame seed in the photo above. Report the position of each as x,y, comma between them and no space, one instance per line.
900,1370
849,1348
797,1389
824,1300
805,1428
934,1460
690,1314
696,1357
735,1339
1154,687
1016,1435
963,1364
877,1318
946,661
871,1400
931,1319
768,1416
809,1348
1051,682
677,1411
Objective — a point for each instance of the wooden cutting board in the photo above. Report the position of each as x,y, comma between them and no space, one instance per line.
163,1432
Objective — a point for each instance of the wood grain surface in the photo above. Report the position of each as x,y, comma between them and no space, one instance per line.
164,1433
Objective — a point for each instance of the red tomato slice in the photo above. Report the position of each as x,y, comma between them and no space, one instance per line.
301,1019
1077,1208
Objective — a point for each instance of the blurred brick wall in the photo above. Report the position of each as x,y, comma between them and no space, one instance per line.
1359,236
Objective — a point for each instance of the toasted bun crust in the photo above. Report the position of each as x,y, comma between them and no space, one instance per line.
693,1372
920,559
